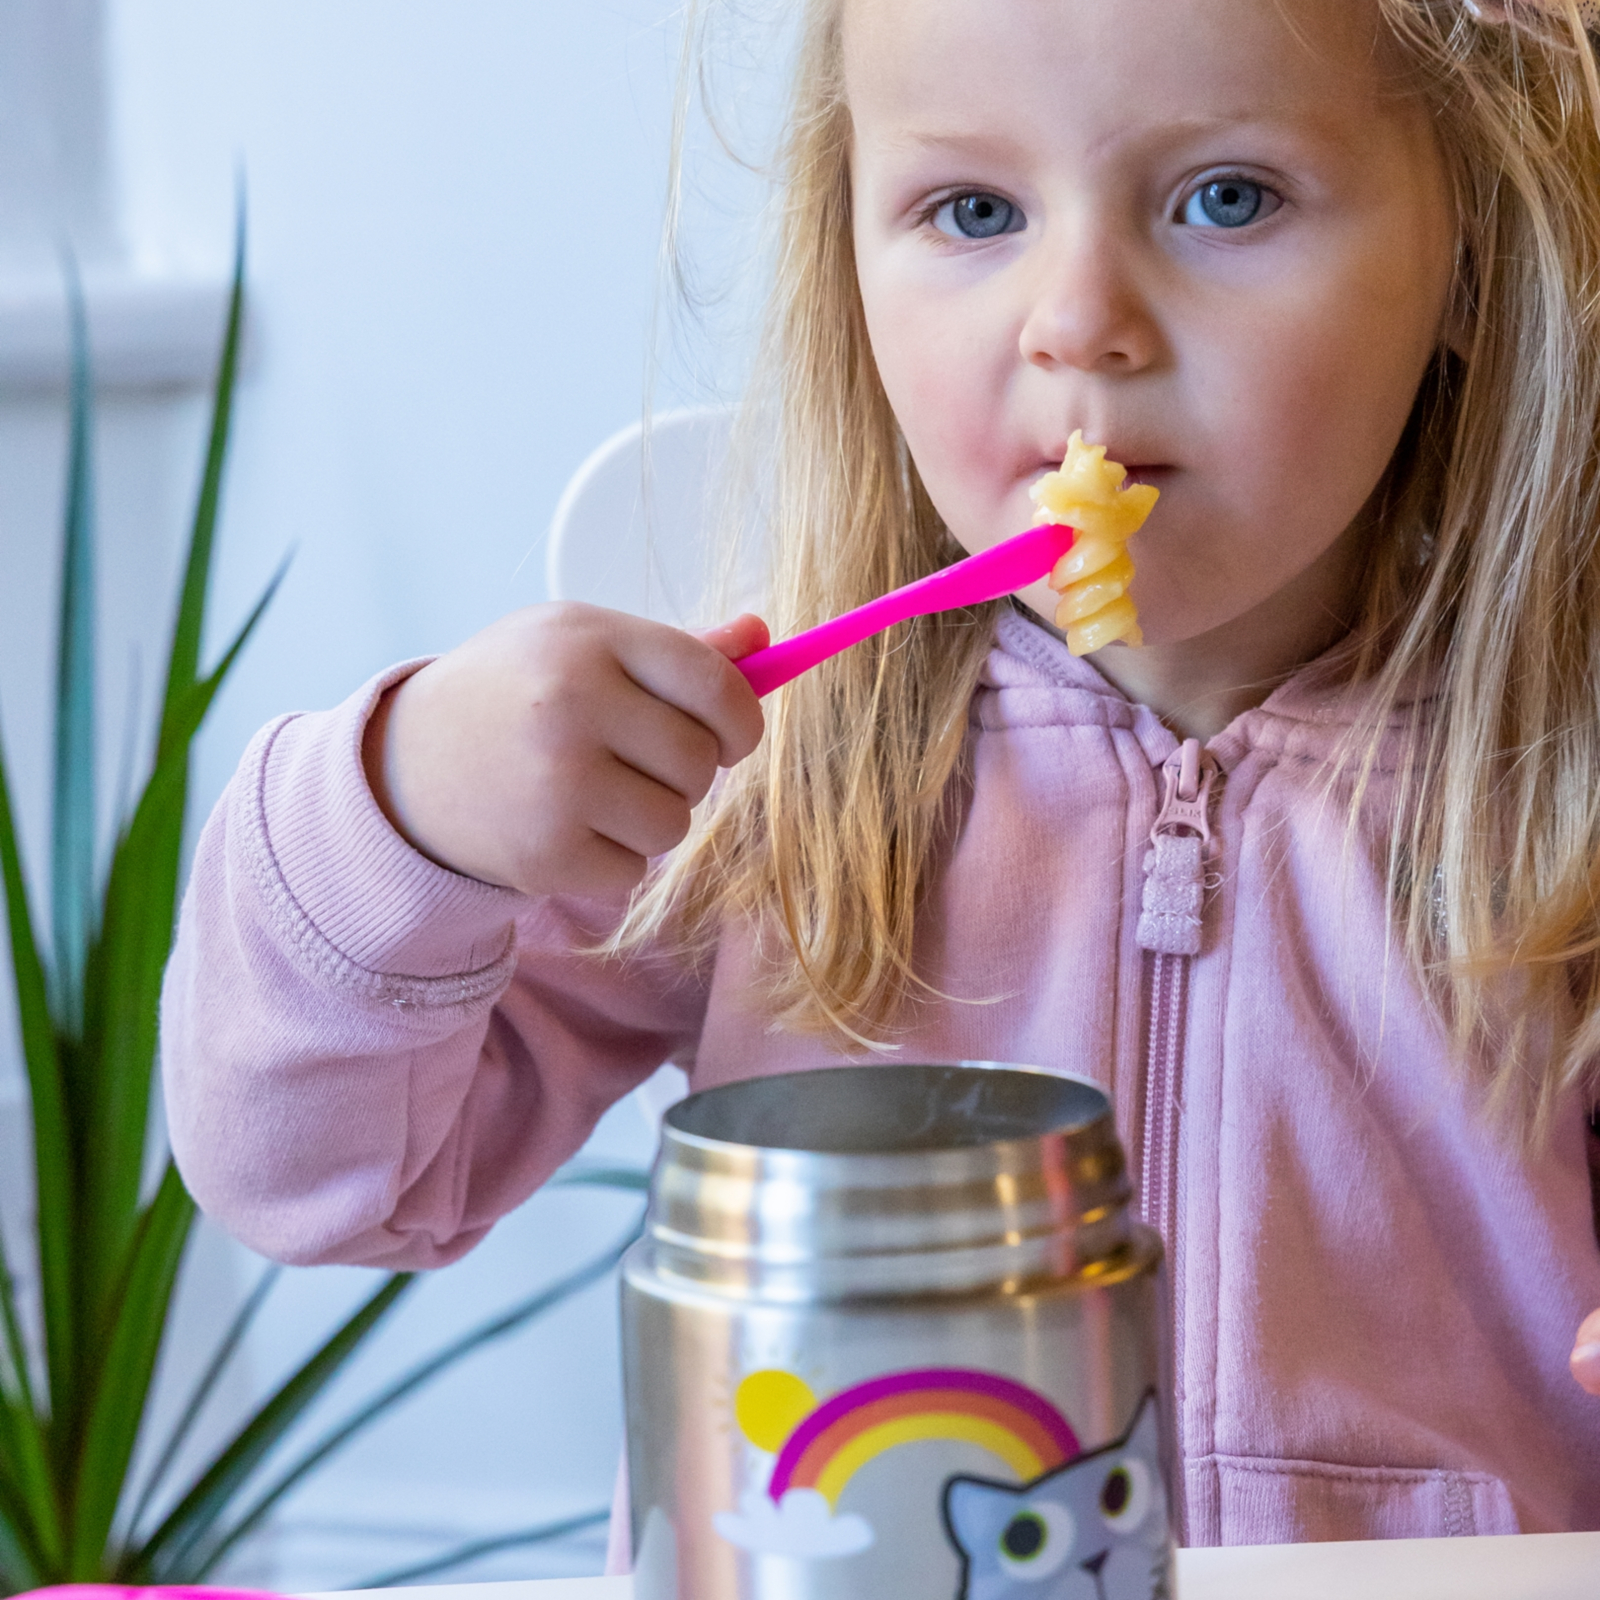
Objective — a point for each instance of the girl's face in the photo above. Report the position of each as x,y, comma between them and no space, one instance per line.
1215,235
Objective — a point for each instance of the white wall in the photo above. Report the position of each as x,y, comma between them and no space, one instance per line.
453,211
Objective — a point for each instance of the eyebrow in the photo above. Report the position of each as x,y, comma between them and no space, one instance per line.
1310,128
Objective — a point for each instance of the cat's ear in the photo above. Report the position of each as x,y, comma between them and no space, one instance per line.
1144,1433
970,1509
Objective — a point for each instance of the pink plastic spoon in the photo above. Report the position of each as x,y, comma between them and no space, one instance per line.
1004,569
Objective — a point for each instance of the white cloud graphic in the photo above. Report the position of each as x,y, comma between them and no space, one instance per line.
801,1525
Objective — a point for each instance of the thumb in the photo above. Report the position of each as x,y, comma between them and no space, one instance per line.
1586,1353
737,639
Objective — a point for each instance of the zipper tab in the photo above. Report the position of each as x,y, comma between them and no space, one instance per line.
1175,866
1188,773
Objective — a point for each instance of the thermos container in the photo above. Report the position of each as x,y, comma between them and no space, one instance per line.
891,1333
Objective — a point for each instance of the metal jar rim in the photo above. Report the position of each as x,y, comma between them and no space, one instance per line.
888,1181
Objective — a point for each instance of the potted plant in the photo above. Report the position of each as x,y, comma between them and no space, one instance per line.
74,1384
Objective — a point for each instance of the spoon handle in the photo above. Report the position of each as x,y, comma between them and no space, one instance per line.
1003,569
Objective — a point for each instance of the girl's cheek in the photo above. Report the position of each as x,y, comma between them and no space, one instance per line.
945,428
946,394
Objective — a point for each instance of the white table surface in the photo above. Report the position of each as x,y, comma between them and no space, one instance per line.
1539,1566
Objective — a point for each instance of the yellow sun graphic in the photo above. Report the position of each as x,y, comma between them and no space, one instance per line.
770,1405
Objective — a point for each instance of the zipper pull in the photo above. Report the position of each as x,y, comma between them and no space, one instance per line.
1188,772
1175,866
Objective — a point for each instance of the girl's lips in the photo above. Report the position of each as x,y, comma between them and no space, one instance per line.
1138,471
1157,474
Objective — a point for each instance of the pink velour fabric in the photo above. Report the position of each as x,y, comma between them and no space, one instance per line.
369,1059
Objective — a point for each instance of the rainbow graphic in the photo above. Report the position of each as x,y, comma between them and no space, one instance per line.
836,1440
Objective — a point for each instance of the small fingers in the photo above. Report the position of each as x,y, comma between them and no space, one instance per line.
635,812
598,866
1585,1360
737,639
664,743
699,680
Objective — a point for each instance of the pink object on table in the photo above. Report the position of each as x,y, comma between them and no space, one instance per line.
1003,569
124,1591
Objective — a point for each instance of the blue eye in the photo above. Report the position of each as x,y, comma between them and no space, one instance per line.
1224,203
977,216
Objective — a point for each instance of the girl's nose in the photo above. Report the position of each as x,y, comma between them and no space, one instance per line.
1086,313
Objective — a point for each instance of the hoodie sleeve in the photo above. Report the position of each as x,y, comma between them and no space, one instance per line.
368,1058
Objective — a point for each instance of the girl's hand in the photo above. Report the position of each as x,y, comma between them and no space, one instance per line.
563,747
1586,1353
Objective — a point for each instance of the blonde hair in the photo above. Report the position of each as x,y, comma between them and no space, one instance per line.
829,829
1485,581
1488,583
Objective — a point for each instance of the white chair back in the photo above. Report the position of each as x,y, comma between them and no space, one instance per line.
631,533
632,529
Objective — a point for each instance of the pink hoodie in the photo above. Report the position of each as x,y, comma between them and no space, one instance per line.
370,1059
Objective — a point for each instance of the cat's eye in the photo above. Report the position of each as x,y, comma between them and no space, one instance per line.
1037,1540
1127,1493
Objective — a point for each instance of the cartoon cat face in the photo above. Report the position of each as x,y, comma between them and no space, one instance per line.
1095,1529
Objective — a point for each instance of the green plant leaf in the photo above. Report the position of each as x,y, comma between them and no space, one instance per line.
462,1554
127,961
111,1426
226,1349
72,836
27,1486
183,659
127,958
198,700
73,798
16,1381
21,1566
108,1264
167,1556
497,1327
54,1192
27,1492
122,992
125,969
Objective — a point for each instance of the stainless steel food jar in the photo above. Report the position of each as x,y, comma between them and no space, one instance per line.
892,1334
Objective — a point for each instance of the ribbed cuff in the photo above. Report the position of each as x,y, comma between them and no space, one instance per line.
376,901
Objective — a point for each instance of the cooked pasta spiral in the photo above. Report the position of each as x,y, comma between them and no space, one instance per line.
1092,578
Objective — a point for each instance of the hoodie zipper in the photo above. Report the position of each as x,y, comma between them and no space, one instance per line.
1170,928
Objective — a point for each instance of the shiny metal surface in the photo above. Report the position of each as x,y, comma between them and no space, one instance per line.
836,1226
887,1180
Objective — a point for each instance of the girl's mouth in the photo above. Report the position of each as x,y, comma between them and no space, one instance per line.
1158,473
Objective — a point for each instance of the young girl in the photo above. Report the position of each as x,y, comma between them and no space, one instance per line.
1324,272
